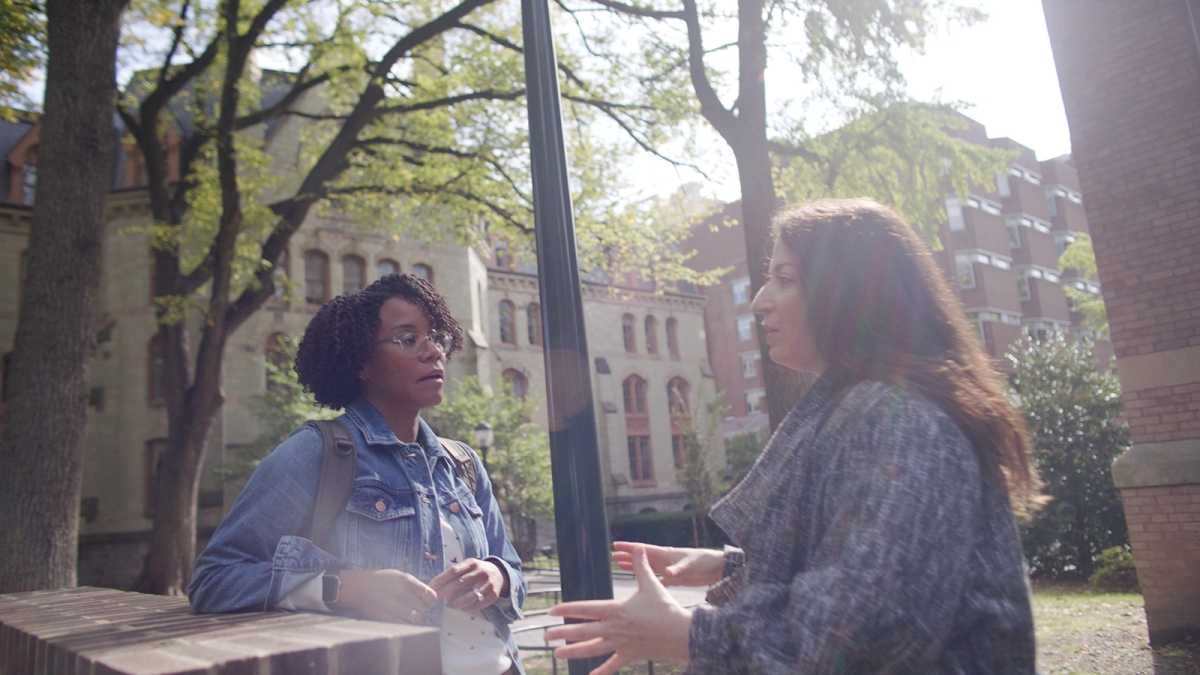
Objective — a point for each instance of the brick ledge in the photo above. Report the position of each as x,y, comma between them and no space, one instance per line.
1155,464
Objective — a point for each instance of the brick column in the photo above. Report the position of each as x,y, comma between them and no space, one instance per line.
1130,77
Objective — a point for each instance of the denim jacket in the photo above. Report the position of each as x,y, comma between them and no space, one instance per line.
260,553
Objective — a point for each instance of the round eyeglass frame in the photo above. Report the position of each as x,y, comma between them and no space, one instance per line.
441,341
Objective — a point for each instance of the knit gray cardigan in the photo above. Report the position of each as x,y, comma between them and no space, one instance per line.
873,544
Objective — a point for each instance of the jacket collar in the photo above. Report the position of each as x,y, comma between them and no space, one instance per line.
377,432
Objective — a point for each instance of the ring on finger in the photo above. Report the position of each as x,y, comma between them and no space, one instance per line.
478,594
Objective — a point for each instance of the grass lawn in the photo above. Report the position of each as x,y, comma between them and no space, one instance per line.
1079,632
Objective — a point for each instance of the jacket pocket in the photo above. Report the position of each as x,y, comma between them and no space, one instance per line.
382,525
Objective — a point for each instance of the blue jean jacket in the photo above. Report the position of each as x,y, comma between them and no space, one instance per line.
260,552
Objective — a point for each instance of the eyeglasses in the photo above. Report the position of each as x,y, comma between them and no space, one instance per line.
413,344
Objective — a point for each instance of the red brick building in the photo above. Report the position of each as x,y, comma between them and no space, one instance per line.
1130,77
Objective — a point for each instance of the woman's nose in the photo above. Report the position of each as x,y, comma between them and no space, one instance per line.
761,302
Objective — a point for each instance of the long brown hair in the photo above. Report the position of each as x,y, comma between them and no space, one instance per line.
879,308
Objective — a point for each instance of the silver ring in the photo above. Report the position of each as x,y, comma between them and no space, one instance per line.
478,594
413,616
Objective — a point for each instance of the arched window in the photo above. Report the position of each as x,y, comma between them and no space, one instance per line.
424,271
277,357
651,335
508,333
533,320
155,371
354,273
627,331
387,266
677,403
503,257
637,431
673,338
316,277
280,275
518,382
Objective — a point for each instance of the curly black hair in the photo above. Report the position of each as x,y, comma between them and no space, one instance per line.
342,335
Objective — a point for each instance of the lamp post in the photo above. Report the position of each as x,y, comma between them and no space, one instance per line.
574,446
484,436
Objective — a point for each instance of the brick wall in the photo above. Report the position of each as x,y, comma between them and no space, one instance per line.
1130,77
1164,529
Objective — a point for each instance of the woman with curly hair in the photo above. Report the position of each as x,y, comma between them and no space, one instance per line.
414,544
876,532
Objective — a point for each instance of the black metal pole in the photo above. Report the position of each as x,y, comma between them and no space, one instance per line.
574,448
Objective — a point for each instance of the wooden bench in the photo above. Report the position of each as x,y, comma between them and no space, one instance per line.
100,631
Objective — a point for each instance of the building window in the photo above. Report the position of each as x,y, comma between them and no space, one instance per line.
1023,287
965,270
741,291
153,454
1014,235
753,400
627,333
637,431
316,277
678,449
745,327
508,333
673,338
517,382
354,273
749,362
156,370
677,398
651,335
986,205
503,257
386,267
424,271
277,358
954,214
533,321
279,275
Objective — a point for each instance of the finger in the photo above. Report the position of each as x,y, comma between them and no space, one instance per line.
641,568
586,609
423,597
578,632
450,574
455,590
613,665
585,650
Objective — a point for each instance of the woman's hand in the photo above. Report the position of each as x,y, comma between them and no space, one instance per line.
458,584
677,566
385,595
647,625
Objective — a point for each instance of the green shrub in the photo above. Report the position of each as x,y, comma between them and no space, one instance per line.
1115,571
668,528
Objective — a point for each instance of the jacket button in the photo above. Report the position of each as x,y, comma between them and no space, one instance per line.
454,507
430,556
380,506
424,499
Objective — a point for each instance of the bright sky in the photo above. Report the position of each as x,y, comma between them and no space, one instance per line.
1003,68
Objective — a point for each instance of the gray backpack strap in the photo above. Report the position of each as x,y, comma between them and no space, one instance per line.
464,463
338,465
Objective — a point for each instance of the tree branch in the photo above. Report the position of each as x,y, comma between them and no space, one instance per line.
779,148
634,10
487,95
258,116
710,104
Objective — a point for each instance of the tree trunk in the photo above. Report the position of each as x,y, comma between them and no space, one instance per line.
41,446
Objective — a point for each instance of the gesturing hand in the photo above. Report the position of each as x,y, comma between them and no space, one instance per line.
647,625
678,566
458,584
386,595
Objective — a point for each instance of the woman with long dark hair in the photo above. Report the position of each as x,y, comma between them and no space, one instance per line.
876,532
421,539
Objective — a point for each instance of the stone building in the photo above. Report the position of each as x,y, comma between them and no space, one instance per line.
1000,255
1130,78
637,384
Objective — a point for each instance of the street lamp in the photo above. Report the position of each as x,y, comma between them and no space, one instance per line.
484,436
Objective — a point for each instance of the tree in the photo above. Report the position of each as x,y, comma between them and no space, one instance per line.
410,119
741,452
1074,413
700,431
41,446
518,461
1081,258
845,55
22,39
